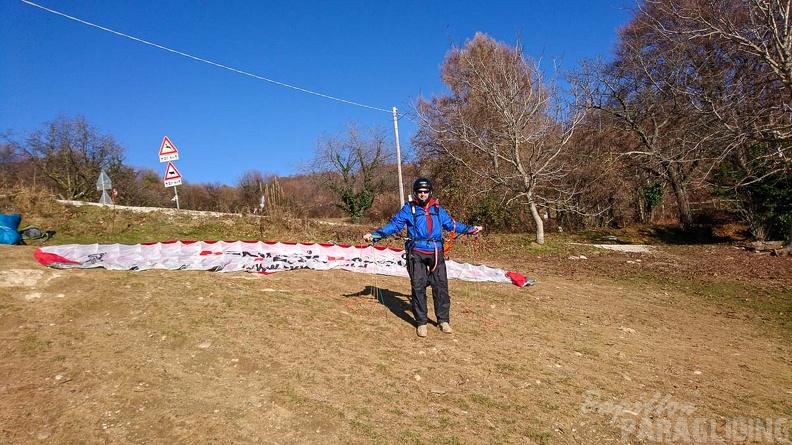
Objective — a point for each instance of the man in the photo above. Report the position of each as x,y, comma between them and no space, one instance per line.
425,221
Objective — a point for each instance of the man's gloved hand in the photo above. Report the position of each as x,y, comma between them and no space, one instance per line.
368,237
476,230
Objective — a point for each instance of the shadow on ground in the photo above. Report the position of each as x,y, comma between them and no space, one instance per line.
698,234
396,302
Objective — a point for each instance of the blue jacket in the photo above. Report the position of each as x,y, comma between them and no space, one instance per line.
424,226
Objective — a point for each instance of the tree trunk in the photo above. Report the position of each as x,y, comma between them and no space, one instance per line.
642,207
789,237
685,214
683,200
539,223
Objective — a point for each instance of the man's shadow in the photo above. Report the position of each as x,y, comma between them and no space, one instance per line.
396,302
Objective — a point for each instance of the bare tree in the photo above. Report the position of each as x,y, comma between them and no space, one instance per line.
197,197
350,166
611,186
251,188
140,187
740,58
71,153
503,120
13,168
670,93
667,141
305,196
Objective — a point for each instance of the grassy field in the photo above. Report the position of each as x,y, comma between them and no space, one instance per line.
671,346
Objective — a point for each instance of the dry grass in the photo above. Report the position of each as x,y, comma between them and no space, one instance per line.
97,356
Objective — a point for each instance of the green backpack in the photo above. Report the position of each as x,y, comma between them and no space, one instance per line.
34,233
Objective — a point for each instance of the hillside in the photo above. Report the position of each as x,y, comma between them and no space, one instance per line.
607,347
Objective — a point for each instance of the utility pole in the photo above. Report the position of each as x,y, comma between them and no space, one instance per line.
398,156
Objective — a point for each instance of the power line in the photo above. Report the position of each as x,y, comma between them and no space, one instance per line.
219,65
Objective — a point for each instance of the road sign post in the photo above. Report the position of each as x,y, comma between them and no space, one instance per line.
172,179
168,153
104,184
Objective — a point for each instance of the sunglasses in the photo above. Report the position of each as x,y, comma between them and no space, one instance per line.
422,192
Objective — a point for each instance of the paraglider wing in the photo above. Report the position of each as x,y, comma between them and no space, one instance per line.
253,256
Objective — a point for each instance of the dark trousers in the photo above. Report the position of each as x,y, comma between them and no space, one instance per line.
419,266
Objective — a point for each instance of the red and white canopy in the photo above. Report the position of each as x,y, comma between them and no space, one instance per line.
254,256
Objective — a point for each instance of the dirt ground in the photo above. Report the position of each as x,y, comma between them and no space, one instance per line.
683,344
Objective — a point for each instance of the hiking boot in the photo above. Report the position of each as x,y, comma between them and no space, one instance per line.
422,330
446,328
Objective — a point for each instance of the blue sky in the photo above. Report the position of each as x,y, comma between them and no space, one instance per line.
381,54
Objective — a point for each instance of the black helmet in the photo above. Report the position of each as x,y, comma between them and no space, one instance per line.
422,183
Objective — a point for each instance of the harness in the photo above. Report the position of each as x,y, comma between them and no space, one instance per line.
451,237
447,245
428,212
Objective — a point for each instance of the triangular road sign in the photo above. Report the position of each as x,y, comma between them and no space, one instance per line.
172,176
103,182
168,151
